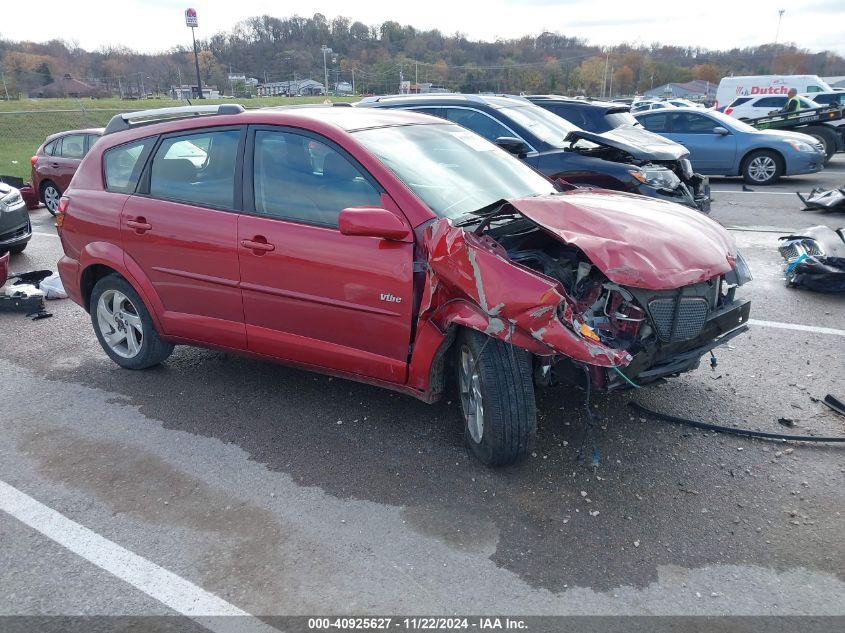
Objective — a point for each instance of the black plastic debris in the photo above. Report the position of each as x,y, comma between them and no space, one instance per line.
824,199
835,404
815,259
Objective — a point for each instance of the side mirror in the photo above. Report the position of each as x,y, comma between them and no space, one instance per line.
373,222
515,146
723,131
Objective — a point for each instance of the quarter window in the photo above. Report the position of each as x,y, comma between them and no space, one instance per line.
122,166
197,169
300,178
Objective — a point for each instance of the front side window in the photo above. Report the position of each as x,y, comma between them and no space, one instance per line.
478,122
739,101
122,167
73,146
303,179
197,169
685,123
453,171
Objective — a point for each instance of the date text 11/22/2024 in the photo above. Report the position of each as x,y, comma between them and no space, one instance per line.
416,623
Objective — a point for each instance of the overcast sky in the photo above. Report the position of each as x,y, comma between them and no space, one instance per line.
156,25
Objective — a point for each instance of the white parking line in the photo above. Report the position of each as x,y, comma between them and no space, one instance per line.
795,326
771,193
174,591
45,234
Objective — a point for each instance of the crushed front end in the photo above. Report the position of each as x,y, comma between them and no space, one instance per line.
610,284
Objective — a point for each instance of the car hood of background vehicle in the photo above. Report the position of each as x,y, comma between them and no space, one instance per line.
635,241
639,143
786,134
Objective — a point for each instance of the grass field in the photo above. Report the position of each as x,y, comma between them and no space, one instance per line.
24,124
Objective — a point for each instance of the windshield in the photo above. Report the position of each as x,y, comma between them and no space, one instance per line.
730,122
618,119
548,127
452,170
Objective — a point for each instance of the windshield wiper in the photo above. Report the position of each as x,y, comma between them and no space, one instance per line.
474,217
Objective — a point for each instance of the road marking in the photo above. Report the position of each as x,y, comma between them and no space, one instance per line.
771,193
796,326
174,591
45,234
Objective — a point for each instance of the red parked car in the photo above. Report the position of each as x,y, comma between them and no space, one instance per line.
56,161
386,246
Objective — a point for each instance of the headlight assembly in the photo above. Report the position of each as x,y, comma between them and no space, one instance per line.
800,146
657,177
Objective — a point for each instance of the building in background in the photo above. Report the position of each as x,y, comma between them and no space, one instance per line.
695,90
67,86
188,91
298,88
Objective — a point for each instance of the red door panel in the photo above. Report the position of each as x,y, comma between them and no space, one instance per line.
326,299
189,254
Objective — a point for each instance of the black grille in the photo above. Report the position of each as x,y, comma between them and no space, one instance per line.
16,234
692,314
796,248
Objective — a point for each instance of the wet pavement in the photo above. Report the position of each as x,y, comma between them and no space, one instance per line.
286,492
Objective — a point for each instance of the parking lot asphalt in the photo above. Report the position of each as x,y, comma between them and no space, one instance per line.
279,491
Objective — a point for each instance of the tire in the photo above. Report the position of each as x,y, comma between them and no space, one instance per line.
123,325
763,167
827,138
496,390
50,195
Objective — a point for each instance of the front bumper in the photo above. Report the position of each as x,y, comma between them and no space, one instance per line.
670,359
14,234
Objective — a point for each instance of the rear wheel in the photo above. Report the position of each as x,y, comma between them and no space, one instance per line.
827,138
124,326
50,195
762,167
497,398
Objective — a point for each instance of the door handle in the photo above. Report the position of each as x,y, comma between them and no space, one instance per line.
140,225
258,247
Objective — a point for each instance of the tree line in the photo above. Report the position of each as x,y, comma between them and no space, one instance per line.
376,57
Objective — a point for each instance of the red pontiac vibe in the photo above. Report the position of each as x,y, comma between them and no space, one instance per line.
387,247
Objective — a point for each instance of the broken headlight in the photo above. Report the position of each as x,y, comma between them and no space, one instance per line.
739,274
657,177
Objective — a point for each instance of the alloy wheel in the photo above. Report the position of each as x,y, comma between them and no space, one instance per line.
51,198
471,401
762,168
120,324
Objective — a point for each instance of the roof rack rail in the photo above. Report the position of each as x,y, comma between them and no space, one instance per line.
156,115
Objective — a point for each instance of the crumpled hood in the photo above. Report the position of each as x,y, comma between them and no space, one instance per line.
639,143
635,241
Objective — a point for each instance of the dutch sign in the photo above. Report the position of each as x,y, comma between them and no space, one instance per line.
191,18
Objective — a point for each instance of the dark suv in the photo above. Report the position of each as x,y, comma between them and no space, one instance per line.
387,247
560,149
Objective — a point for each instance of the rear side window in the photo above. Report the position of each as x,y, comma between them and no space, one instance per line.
73,146
656,122
739,101
51,147
122,165
197,169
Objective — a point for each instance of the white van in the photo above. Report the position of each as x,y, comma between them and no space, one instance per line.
759,85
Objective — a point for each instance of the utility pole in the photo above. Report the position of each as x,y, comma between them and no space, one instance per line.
179,73
780,17
353,80
191,21
610,92
417,75
119,86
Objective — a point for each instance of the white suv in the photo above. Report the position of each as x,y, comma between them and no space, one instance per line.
743,108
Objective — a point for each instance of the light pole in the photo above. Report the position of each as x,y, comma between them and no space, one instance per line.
780,17
326,51
191,21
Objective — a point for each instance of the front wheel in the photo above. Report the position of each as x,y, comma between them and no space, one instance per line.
497,398
762,167
124,326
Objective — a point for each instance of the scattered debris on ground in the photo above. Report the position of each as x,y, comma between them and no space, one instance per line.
815,259
824,199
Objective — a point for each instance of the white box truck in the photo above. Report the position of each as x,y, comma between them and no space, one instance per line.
752,85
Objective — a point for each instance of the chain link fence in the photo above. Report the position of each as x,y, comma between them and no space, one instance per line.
22,132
